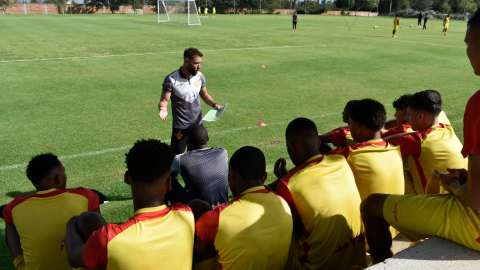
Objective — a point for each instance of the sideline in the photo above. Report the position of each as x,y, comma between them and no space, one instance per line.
158,53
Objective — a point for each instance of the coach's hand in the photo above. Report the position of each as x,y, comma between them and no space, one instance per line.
280,169
218,107
163,113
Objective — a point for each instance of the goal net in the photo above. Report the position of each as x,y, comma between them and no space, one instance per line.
179,11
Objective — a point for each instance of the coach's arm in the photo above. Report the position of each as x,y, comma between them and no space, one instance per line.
208,99
13,243
162,105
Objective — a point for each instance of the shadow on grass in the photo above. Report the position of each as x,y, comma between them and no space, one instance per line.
15,194
118,198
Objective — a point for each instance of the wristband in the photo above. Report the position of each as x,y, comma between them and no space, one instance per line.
213,106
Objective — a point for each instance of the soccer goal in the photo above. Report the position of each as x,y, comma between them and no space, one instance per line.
179,11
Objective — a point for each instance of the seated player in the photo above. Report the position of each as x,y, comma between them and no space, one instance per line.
35,224
432,145
204,170
157,236
339,137
254,230
455,216
376,164
401,116
324,200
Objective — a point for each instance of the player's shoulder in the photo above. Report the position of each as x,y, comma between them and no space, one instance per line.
80,191
173,75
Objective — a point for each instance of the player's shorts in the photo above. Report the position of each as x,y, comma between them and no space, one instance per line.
418,216
208,264
395,27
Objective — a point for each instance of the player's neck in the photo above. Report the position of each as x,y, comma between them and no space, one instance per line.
147,197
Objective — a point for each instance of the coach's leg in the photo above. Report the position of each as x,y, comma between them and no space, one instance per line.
376,227
179,140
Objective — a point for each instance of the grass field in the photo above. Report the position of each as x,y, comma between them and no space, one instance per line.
90,110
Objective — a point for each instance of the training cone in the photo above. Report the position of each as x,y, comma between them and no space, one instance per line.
263,66
261,124
103,55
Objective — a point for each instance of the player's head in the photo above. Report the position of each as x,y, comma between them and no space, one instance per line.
197,136
345,113
247,166
396,15
148,165
192,59
302,140
46,171
472,39
367,116
400,105
295,12
422,108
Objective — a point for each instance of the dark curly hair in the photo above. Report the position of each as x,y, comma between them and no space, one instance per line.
197,135
347,106
369,113
401,102
428,100
249,162
475,19
300,126
149,160
41,166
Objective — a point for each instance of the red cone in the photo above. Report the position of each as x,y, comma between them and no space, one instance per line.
261,124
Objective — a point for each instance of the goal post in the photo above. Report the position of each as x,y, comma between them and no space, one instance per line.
178,11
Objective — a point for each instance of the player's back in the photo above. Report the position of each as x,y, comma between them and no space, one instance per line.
41,219
254,231
156,237
377,167
328,203
441,149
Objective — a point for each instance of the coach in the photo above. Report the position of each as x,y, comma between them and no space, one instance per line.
186,84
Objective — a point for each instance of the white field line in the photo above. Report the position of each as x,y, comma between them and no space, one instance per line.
94,153
433,44
157,53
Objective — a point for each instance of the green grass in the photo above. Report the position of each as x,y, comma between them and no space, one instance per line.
69,107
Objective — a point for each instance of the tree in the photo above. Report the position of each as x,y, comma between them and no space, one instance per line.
421,5
370,4
6,4
466,6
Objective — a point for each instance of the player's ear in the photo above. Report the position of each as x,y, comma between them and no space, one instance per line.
264,177
126,178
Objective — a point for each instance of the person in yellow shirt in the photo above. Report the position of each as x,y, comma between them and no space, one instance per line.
157,236
376,164
214,11
396,22
254,230
432,145
206,12
199,12
454,216
35,224
446,23
327,230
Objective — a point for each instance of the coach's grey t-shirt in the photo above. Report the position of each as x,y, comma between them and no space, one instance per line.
186,108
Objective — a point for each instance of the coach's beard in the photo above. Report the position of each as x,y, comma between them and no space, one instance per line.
192,71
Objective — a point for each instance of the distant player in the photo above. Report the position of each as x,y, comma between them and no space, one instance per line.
199,12
396,22
295,20
214,11
205,11
446,23
419,20
425,19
